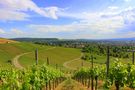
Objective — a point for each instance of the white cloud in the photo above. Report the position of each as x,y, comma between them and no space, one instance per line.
127,0
105,22
128,15
12,15
93,16
113,7
100,27
18,10
59,28
2,31
129,34
16,32
129,8
52,11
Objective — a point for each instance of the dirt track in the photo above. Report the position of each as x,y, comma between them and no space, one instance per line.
16,63
66,63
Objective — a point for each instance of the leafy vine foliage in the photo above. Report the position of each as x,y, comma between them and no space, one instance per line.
33,78
120,75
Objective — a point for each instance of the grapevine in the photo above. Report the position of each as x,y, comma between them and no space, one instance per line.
34,77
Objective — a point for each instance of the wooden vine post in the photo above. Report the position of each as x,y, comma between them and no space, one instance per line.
82,63
56,66
107,61
48,61
36,56
133,55
92,77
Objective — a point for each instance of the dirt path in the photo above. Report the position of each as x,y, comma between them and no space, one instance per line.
66,63
16,63
70,84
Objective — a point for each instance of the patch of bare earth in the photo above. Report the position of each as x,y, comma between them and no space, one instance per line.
4,41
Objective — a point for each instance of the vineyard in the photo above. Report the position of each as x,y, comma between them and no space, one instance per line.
44,77
67,44
33,78
119,75
55,68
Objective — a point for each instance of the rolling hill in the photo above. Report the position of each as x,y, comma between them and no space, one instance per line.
60,56
56,55
9,50
3,41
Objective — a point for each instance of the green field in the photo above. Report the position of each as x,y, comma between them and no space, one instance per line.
9,51
56,55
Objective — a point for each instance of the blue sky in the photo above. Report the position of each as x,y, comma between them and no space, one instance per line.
91,19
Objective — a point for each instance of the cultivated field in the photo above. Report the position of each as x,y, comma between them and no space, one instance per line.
69,58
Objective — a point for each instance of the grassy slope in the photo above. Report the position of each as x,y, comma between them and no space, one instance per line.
98,61
79,63
9,51
57,55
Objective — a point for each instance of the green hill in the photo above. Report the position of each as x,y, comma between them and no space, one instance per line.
56,55
9,50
